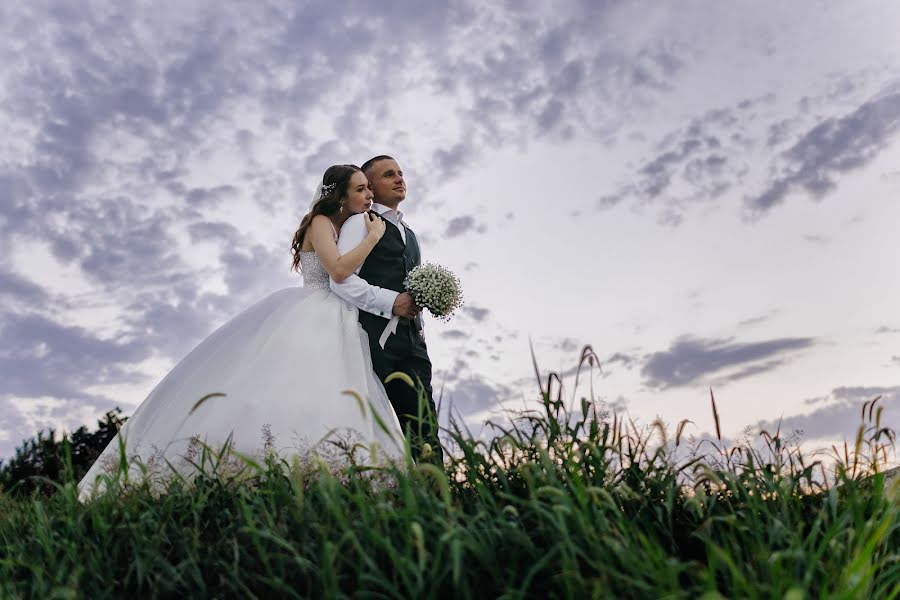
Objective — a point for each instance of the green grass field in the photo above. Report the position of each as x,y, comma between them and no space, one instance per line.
563,504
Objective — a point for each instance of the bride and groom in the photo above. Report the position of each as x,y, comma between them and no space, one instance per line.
277,376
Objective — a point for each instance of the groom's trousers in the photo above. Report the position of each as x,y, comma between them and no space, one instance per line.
406,351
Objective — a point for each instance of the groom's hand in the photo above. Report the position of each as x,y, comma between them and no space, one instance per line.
405,306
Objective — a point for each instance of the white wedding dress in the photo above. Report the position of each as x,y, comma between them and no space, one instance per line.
283,366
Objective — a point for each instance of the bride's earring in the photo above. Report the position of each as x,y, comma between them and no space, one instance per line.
342,208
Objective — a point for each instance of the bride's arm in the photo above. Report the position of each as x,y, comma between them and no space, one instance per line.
355,290
340,267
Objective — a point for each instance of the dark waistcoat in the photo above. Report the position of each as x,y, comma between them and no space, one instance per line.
387,266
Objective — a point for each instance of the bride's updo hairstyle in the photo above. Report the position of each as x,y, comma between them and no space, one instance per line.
334,188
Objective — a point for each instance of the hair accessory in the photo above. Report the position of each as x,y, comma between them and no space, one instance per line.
327,189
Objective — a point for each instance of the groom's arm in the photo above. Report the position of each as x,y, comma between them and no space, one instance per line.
356,290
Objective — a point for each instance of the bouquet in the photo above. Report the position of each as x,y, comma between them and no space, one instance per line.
433,287
436,288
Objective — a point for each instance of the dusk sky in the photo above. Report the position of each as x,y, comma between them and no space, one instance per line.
708,193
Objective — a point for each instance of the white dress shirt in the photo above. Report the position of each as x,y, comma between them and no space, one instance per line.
356,290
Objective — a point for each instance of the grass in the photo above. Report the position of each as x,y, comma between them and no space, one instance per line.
567,502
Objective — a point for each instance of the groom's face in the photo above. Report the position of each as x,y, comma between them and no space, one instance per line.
387,182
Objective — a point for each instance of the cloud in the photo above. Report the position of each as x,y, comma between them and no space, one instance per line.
757,320
750,371
42,358
452,160
816,400
214,231
458,226
210,197
695,163
689,359
627,361
835,146
15,287
173,322
841,414
477,313
701,161
473,394
886,329
816,239
463,395
568,345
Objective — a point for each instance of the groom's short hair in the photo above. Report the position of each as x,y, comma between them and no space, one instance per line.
371,162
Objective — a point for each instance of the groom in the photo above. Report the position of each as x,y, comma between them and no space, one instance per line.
378,292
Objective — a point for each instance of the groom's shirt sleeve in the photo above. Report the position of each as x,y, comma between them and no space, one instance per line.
356,290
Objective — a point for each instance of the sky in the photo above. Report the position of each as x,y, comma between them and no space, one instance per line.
706,193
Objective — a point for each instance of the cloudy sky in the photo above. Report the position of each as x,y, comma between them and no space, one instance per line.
707,193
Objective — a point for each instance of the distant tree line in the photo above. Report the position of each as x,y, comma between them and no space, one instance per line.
44,460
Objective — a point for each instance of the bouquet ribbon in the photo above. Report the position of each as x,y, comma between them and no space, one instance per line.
391,328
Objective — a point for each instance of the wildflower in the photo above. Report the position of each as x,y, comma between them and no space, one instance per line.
427,451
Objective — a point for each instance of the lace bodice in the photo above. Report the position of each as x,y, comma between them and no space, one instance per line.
314,274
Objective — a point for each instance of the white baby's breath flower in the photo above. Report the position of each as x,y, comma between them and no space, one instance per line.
436,288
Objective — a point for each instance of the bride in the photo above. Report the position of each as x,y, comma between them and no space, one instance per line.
274,378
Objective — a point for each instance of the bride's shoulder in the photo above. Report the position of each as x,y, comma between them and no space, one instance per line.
323,227
322,224
355,220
